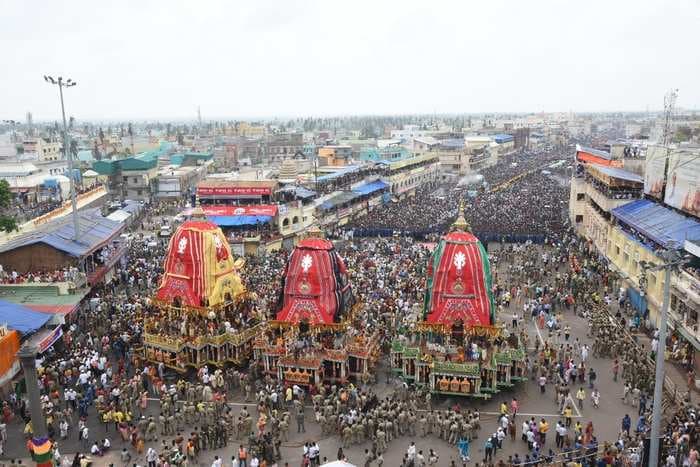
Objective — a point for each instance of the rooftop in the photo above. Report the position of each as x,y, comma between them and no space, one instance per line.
658,223
95,231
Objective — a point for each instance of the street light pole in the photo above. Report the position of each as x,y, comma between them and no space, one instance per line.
66,150
672,259
41,444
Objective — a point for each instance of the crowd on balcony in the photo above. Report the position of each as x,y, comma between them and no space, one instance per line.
68,274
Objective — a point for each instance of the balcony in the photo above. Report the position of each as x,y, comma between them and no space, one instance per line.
607,203
685,305
97,275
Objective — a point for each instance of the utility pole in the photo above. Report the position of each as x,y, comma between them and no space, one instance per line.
66,150
672,260
40,440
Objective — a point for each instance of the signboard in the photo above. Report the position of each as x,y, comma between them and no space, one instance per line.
683,186
49,340
654,174
249,210
233,191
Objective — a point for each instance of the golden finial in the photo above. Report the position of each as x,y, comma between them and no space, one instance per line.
314,232
198,212
461,223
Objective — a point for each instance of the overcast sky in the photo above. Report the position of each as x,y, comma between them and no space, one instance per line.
150,59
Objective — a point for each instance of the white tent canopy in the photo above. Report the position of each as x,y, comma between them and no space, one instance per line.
338,464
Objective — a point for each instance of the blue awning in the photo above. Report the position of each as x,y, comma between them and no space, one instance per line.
658,223
233,221
371,187
21,318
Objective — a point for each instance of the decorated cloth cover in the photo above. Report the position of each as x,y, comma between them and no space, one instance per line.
459,282
199,267
315,284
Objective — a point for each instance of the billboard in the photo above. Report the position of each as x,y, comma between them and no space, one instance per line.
683,187
233,191
654,174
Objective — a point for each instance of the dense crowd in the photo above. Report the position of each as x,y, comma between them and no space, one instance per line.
97,378
70,274
516,199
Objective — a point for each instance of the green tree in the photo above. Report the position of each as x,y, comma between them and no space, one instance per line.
8,224
5,194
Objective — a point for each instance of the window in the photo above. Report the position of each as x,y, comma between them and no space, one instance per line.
579,219
617,250
295,220
285,222
625,258
580,196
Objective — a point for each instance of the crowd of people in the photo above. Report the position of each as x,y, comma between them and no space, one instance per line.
68,274
98,390
516,199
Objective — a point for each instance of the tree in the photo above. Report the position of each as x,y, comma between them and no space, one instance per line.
5,194
8,224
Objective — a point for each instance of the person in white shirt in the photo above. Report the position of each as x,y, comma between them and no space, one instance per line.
254,462
95,449
151,457
411,451
217,462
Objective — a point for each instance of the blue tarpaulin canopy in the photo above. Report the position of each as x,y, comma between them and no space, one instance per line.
371,187
20,318
658,223
233,221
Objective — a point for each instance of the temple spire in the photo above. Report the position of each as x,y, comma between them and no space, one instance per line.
461,224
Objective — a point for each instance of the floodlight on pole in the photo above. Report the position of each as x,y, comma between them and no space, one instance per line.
66,149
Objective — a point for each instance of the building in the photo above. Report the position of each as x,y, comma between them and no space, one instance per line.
410,132
31,185
384,154
232,191
283,145
134,177
598,192
405,176
140,176
335,155
249,130
640,230
52,246
684,308
179,182
453,156
41,149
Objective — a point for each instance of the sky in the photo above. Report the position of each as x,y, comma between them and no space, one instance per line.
145,59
